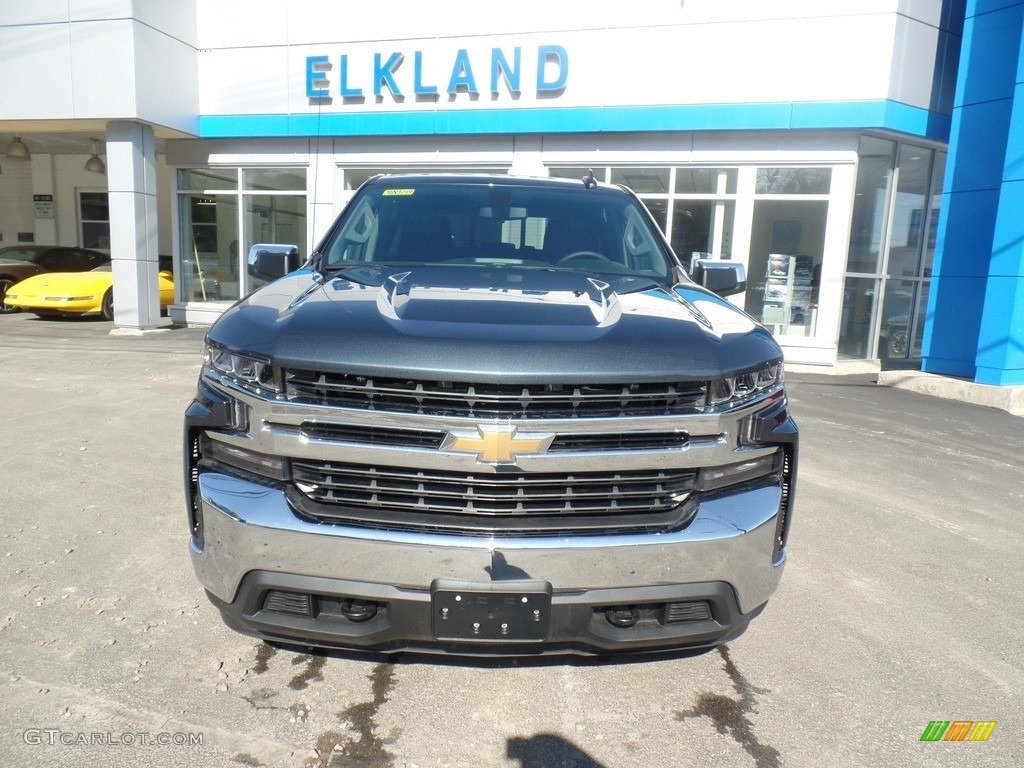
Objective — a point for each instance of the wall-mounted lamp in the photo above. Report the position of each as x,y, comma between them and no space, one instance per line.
95,163
18,150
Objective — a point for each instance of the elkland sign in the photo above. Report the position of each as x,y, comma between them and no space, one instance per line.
502,71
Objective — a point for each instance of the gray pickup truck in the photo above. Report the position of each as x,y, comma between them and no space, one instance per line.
490,415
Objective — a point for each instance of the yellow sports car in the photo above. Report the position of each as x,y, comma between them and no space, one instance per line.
76,293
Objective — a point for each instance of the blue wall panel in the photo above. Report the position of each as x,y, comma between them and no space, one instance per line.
975,323
1014,162
965,242
953,325
982,131
989,42
1008,236
1001,347
978,7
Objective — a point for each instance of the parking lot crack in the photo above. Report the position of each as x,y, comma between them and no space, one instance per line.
264,653
260,698
312,673
366,749
731,716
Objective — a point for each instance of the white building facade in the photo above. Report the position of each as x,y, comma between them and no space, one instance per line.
806,140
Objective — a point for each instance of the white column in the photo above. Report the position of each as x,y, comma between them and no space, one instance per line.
134,239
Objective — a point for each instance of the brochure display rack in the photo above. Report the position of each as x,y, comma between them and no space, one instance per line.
787,294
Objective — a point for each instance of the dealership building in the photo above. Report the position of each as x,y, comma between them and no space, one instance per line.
861,158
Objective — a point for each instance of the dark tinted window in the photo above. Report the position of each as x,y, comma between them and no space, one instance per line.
69,259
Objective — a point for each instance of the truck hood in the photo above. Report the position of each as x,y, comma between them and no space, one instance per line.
495,325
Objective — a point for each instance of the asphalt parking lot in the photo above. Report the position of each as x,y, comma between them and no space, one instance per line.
901,604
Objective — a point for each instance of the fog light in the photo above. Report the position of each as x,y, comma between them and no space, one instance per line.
262,464
713,478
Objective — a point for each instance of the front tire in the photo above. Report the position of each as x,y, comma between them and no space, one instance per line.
5,283
108,304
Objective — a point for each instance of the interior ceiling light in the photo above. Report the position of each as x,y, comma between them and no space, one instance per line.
95,163
17,149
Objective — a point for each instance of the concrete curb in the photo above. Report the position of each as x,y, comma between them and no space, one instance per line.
1009,399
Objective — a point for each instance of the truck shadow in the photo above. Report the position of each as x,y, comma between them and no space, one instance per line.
547,749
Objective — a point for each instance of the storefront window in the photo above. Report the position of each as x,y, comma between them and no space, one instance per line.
857,317
274,179
577,172
207,178
94,215
870,206
867,240
642,180
910,216
892,244
908,237
787,247
690,181
698,216
793,181
356,177
209,234
659,212
222,212
274,219
702,229
934,207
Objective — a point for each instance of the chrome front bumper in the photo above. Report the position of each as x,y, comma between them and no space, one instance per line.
254,543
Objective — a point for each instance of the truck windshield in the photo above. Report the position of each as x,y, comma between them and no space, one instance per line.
592,230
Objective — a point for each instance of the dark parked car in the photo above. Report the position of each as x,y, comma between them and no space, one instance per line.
18,262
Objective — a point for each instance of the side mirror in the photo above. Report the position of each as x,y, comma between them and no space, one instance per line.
720,276
269,261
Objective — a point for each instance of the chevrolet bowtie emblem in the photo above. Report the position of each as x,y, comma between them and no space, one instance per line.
496,444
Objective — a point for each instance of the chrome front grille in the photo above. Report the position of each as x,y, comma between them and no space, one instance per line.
647,440
370,450
631,498
485,401
349,433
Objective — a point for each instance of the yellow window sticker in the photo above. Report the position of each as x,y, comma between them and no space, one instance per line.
397,192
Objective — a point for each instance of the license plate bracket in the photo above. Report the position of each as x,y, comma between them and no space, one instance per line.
501,611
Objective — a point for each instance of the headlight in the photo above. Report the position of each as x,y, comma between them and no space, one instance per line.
740,389
248,370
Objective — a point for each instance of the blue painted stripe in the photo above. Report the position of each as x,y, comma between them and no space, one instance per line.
887,115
